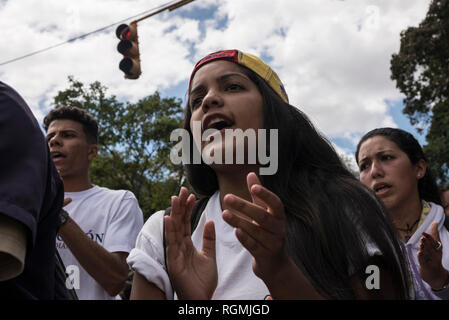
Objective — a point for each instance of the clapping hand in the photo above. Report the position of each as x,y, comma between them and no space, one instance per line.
429,258
193,273
260,227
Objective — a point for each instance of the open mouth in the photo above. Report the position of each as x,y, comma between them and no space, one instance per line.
382,188
219,124
217,121
57,156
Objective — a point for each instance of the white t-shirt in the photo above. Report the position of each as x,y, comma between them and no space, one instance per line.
111,218
236,279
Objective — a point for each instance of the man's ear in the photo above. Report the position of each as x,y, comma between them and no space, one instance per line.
93,150
421,168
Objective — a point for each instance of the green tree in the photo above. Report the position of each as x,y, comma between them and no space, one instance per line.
421,72
437,148
134,142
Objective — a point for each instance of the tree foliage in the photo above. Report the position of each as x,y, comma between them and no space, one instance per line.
437,148
421,72
134,142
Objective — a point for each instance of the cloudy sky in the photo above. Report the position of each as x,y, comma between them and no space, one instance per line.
332,55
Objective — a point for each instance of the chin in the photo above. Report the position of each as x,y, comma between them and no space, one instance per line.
63,173
390,205
214,153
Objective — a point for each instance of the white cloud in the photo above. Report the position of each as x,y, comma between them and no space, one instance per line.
164,45
333,56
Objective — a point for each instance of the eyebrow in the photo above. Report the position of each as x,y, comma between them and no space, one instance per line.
220,78
377,153
63,131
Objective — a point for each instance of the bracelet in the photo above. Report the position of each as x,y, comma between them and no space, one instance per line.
63,217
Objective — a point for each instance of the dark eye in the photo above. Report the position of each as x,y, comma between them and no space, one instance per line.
196,102
387,157
363,167
234,87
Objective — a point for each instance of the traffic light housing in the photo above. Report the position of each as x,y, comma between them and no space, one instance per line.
129,48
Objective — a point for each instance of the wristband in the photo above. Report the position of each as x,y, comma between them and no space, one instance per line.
63,217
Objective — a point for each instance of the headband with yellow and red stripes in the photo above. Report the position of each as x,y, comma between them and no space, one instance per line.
249,61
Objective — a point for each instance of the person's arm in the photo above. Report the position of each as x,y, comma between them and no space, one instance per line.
110,270
13,241
143,290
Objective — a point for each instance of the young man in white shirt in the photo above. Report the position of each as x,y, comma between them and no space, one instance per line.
99,225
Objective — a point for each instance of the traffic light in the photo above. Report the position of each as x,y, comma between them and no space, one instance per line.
129,47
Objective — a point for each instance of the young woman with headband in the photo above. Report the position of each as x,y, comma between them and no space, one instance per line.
308,231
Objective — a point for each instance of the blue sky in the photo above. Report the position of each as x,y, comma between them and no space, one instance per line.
332,56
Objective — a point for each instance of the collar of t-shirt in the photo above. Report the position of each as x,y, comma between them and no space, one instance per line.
81,194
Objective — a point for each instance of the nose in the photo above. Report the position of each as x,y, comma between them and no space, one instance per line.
376,170
211,100
55,140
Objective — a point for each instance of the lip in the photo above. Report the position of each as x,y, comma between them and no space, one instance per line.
210,117
383,192
215,133
58,159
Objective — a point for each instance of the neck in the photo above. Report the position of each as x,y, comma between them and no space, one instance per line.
76,183
234,182
405,217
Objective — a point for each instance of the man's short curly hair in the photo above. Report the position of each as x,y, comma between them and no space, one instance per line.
90,125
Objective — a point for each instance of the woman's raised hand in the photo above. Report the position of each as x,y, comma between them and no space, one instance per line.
260,227
193,273
429,258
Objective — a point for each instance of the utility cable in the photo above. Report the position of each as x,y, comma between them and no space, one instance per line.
83,36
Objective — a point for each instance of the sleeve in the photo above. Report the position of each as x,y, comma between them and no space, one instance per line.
23,161
12,248
125,225
147,258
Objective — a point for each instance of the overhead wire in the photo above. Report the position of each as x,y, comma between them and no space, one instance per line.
85,35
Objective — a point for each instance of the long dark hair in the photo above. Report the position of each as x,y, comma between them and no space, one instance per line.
331,216
427,186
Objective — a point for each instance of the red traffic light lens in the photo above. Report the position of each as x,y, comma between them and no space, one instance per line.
126,34
120,30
